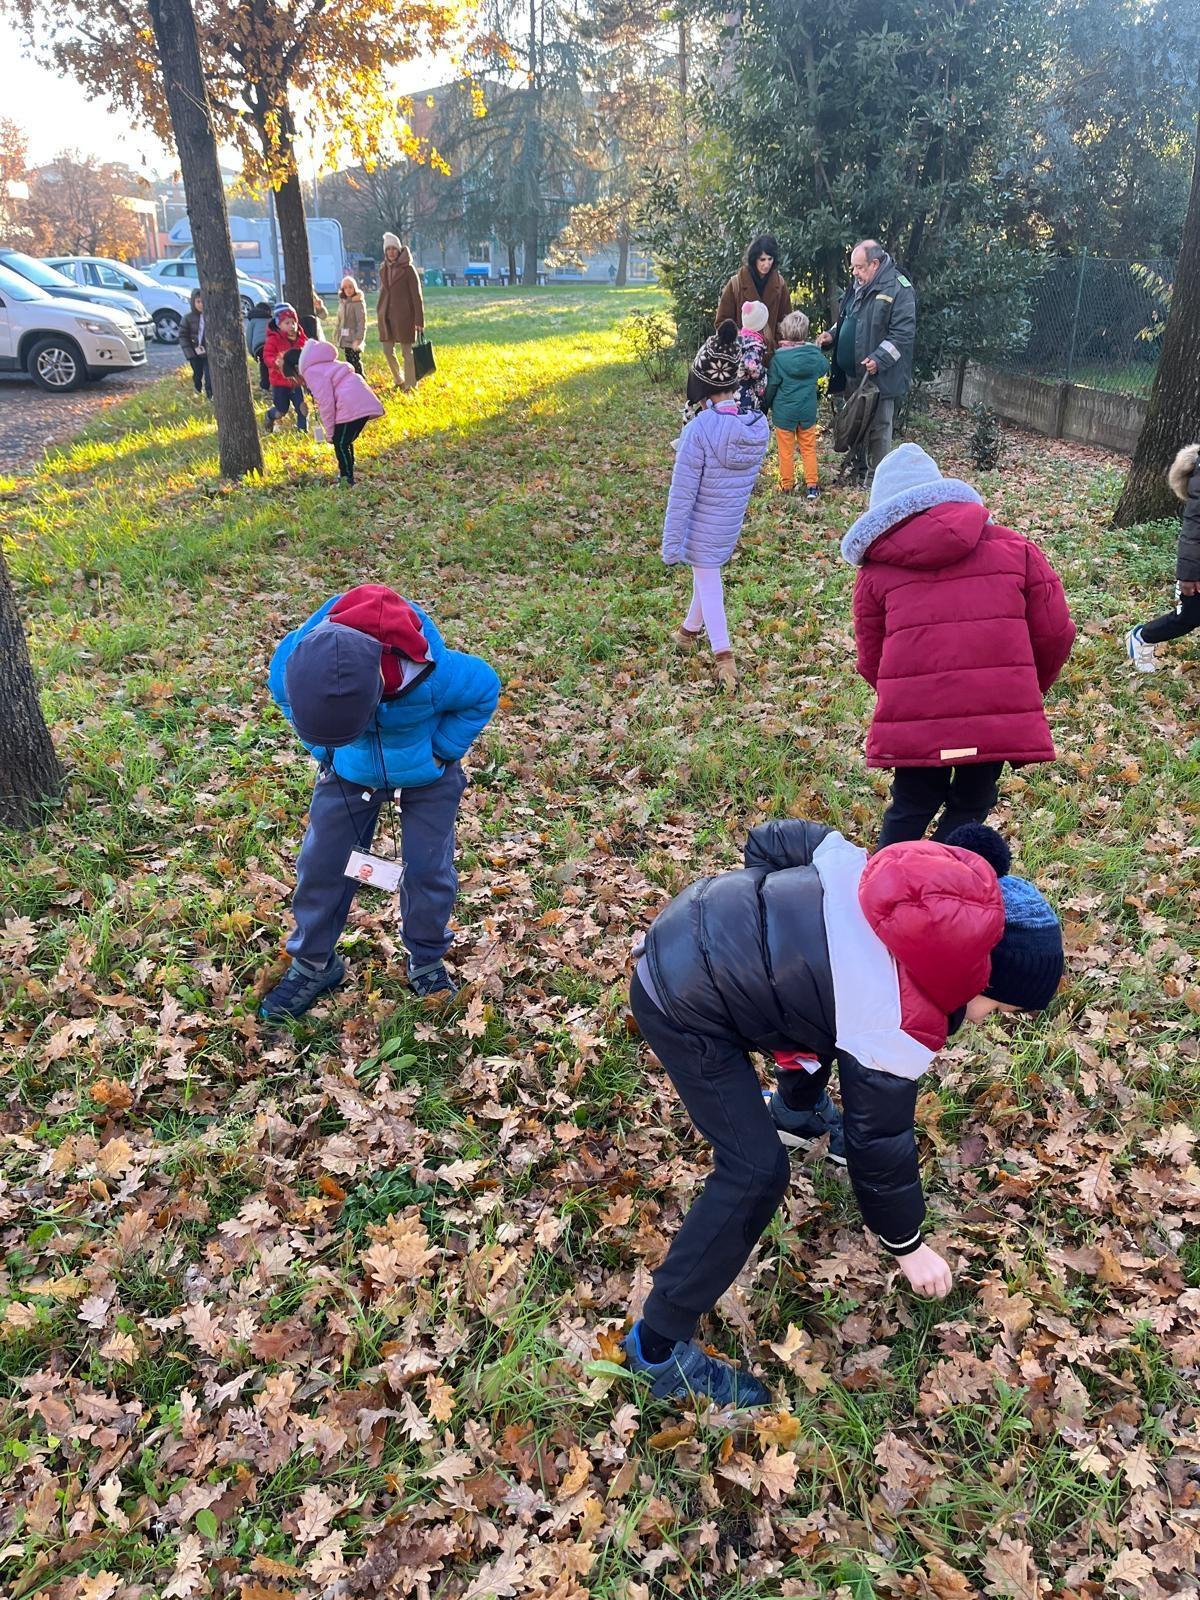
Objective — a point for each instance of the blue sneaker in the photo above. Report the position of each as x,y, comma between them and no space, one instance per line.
688,1372
797,1129
299,988
432,982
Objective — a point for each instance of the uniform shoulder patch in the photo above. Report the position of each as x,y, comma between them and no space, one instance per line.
901,279
885,298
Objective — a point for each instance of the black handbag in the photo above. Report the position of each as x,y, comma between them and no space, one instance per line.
423,362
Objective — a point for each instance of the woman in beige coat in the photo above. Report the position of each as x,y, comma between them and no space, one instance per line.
400,314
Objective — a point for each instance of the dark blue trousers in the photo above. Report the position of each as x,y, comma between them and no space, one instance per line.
342,818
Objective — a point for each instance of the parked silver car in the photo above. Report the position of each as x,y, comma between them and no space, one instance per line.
186,275
166,304
58,287
63,343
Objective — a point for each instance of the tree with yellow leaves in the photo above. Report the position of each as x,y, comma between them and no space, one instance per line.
262,59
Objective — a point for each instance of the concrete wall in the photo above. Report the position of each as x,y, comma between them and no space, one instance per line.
1062,410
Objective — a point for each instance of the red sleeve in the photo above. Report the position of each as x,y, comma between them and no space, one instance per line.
1051,631
869,627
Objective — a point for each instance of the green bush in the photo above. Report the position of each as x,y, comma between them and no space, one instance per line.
651,336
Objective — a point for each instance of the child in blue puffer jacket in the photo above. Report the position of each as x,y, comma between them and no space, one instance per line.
386,709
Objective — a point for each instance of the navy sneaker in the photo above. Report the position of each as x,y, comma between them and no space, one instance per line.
299,988
432,982
812,492
688,1372
799,1128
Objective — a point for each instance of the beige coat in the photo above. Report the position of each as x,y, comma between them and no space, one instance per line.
351,330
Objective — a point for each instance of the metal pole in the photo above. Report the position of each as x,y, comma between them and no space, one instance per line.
1075,318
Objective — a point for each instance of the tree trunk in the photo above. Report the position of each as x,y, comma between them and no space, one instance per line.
512,263
30,774
293,227
293,237
1173,415
622,261
191,121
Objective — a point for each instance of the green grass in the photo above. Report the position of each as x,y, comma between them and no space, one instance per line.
214,1195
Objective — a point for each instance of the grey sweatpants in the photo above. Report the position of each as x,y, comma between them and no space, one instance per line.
342,818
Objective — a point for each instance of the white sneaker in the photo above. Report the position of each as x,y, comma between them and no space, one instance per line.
1139,652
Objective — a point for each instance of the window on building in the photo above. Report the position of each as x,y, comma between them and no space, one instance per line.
641,268
481,255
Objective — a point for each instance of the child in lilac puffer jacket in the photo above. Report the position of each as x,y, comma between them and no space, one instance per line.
719,457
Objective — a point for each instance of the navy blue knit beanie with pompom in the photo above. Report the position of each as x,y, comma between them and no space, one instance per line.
1027,964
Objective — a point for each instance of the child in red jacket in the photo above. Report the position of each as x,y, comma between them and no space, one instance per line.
284,333
962,626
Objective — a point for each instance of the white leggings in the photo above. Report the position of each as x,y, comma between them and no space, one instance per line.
708,607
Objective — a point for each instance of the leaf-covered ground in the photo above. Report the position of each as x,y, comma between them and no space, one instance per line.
333,1311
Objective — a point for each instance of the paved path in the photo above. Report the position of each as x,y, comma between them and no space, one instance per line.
31,419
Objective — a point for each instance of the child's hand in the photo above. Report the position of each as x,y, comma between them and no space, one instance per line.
927,1272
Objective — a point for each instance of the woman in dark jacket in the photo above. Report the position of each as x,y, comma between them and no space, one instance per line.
757,279
1184,478
815,954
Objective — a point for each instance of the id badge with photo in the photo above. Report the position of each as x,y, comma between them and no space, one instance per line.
375,871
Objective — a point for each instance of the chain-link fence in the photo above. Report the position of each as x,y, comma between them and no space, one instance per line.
1095,321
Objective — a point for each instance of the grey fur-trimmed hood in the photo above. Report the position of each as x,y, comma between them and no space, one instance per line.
1181,469
881,519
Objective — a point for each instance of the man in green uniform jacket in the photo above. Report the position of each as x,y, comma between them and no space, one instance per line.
875,331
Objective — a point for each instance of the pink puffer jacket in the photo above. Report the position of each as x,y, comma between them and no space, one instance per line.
340,394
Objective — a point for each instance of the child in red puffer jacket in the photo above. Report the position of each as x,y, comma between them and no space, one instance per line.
962,627
284,333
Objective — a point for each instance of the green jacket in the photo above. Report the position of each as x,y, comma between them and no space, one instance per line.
791,395
885,328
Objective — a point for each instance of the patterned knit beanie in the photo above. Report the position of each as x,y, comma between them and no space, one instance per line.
1027,964
718,360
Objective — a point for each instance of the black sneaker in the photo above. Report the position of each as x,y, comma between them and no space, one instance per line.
299,989
812,492
432,982
688,1371
798,1129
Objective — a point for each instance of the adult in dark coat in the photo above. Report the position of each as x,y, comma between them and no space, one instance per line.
1184,478
757,279
875,332
400,312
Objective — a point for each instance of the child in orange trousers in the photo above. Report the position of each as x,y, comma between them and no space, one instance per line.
791,398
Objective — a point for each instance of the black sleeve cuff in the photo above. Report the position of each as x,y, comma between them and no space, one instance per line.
904,1249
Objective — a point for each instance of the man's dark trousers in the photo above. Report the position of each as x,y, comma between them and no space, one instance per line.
342,818
716,1081
919,793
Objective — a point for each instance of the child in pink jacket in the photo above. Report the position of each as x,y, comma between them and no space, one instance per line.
343,397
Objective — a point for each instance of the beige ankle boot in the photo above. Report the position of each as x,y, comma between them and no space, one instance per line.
726,671
685,638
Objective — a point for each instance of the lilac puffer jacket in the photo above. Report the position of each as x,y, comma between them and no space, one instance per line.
719,457
341,395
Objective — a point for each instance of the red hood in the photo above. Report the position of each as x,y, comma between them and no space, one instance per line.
939,911
935,538
382,614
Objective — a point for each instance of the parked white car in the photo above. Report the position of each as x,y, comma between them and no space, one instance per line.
61,288
166,304
184,275
63,343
